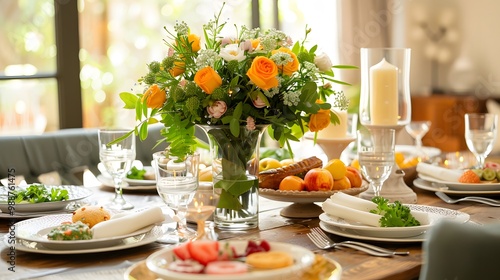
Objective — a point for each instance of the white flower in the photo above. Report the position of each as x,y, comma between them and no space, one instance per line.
323,62
232,52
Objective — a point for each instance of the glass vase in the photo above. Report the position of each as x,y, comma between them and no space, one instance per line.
235,170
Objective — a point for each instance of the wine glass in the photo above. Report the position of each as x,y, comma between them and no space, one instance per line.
176,183
200,209
376,155
480,134
117,152
417,130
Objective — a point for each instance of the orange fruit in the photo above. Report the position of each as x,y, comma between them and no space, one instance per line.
337,168
341,184
292,183
355,164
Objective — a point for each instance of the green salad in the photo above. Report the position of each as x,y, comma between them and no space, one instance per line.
38,193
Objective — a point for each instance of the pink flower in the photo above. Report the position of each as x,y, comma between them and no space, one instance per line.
183,83
217,109
258,102
247,45
250,123
224,41
170,52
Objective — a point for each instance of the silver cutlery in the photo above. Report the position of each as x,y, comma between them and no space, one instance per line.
322,241
485,200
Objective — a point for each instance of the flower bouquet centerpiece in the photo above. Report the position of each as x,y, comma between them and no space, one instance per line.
235,88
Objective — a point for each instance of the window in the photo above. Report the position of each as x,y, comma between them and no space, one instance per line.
41,92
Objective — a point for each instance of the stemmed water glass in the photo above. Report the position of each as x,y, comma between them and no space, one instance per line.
199,210
176,183
480,135
376,155
417,130
116,152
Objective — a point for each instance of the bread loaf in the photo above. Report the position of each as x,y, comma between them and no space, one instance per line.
270,179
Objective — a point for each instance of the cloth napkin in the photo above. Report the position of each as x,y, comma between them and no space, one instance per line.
356,209
128,223
437,172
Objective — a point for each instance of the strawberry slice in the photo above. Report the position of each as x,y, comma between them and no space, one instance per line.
204,251
182,252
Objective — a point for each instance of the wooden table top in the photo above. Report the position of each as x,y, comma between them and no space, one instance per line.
272,227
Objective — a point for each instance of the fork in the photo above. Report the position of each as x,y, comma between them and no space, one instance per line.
488,201
322,241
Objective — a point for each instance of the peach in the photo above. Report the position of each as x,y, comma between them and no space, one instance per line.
292,183
354,176
318,179
341,184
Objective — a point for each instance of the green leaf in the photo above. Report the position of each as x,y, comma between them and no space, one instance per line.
129,99
143,131
234,126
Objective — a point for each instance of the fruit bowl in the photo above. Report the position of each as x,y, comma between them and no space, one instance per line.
304,202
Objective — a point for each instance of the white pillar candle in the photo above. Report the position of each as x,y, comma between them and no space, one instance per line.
335,131
384,94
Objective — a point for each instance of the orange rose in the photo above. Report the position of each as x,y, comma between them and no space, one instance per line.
179,68
192,39
320,120
291,66
207,79
263,72
155,97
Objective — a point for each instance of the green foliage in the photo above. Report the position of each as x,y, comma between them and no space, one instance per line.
393,214
39,193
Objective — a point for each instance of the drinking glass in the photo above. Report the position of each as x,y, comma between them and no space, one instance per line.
200,209
417,130
116,152
376,155
480,134
176,183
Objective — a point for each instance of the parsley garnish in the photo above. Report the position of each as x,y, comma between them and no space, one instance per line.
393,214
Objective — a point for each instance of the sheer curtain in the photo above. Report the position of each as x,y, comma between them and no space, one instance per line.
364,24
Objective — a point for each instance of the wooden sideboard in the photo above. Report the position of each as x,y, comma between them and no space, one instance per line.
446,112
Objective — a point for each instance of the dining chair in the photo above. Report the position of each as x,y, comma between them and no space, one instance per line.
461,251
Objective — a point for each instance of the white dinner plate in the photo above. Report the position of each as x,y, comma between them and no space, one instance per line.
434,214
303,259
36,230
350,234
486,186
75,193
108,182
433,187
130,242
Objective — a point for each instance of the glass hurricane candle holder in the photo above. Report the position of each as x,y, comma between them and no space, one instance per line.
385,87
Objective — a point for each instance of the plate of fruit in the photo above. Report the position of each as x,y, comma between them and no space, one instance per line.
476,179
222,260
307,181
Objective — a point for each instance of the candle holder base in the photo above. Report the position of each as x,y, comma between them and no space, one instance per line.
394,188
334,147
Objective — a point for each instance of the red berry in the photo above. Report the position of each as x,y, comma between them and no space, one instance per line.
182,252
265,245
204,251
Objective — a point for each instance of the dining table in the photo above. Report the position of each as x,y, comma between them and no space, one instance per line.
272,227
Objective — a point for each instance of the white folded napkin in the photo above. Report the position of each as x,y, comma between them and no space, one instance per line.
125,224
351,214
438,172
355,209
